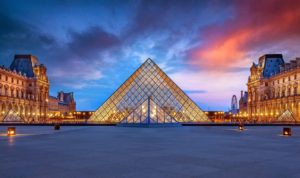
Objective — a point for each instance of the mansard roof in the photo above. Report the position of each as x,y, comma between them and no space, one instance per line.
272,56
67,97
24,64
271,64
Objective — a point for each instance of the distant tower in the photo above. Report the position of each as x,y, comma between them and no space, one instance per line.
234,106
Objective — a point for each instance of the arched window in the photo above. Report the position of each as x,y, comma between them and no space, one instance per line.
6,91
283,93
13,92
289,91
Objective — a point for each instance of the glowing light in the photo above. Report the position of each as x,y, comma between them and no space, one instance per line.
287,131
241,127
11,131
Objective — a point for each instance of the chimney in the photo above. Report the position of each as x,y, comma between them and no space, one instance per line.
241,93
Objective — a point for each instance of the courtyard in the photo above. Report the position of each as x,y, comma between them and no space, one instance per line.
108,151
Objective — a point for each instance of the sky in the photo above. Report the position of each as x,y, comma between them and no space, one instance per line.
92,47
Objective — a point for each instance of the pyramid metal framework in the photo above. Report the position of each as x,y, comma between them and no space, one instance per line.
148,113
287,116
12,117
148,96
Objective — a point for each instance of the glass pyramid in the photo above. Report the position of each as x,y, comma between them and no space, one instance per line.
287,116
12,117
148,113
148,96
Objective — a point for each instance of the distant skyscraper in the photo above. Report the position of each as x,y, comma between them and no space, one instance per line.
234,105
243,103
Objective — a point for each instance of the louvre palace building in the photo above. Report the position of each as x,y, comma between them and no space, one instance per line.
24,92
273,90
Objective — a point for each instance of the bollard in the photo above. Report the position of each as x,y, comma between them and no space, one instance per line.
56,127
11,131
241,127
287,131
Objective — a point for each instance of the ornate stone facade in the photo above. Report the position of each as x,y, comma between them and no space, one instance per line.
273,88
24,89
63,105
24,93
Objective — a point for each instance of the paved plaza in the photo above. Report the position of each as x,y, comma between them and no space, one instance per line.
99,151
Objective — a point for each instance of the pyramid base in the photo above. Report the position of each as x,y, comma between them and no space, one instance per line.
153,125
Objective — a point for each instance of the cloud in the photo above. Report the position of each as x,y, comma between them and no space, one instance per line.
91,41
207,46
195,91
77,60
176,17
17,36
83,58
210,89
268,26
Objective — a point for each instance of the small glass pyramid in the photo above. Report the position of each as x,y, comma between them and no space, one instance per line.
148,96
287,116
12,117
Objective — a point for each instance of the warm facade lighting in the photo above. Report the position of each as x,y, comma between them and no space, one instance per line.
11,131
287,131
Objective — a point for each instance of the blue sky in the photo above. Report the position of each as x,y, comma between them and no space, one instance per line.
91,47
